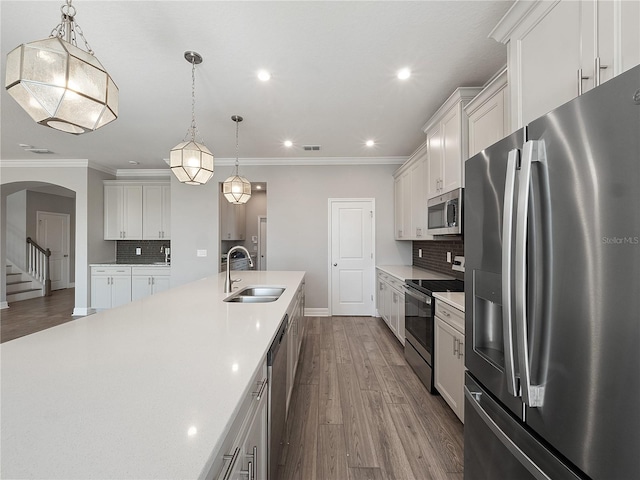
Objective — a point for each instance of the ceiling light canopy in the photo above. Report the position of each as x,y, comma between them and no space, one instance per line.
370,143
192,162
237,189
60,85
288,143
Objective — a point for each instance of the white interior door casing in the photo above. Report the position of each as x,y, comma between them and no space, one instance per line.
53,233
352,262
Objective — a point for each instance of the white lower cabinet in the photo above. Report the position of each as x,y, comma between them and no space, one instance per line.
244,451
296,323
147,281
110,287
449,356
390,302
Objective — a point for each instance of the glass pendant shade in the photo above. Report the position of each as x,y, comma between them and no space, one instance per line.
237,189
61,86
191,163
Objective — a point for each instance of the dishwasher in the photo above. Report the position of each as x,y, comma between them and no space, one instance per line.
277,373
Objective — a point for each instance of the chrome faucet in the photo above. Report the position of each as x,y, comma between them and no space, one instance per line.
228,283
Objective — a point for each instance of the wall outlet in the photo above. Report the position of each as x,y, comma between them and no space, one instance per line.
449,257
419,253
138,251
201,253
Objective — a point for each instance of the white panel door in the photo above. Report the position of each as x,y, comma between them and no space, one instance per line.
53,233
352,264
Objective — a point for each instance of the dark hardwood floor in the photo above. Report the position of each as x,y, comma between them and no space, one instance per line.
30,316
359,412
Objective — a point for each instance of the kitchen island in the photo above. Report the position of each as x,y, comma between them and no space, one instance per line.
146,390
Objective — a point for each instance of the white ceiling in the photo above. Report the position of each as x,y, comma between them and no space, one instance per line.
333,66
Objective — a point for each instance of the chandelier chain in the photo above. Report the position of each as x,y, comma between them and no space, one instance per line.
237,148
68,27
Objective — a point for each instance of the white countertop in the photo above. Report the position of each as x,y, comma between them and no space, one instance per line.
409,272
455,299
114,264
114,395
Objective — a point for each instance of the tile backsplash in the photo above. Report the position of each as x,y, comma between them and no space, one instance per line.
151,251
434,255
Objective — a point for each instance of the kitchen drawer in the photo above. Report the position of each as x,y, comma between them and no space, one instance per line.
114,271
151,271
396,283
452,316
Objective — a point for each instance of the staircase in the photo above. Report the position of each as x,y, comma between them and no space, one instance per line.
21,286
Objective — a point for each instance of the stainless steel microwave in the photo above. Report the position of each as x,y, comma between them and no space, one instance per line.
444,214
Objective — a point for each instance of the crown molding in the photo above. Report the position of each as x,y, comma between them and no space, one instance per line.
30,163
143,172
292,161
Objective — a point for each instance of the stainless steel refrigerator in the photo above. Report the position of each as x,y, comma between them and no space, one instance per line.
552,248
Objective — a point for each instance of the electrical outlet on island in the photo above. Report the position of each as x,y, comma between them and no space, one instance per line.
448,257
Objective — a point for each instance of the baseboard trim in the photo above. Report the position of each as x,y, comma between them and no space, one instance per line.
316,312
82,311
3,305
72,285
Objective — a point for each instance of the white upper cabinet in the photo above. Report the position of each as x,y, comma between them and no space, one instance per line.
232,220
448,143
488,114
122,212
137,210
558,49
156,216
410,208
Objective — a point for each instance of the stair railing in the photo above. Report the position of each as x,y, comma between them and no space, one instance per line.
38,264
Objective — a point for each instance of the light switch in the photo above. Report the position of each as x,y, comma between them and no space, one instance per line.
419,253
201,253
449,257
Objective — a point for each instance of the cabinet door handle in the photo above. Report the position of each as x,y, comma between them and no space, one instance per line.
460,345
153,281
455,340
260,391
581,77
597,69
148,280
232,458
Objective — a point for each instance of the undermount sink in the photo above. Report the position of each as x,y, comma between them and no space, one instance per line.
256,295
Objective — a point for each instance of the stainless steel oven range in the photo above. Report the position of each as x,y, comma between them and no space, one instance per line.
419,322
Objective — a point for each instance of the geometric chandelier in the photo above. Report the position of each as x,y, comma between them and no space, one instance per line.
237,189
192,162
60,85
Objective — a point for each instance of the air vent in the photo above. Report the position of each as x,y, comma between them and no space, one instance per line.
311,148
38,150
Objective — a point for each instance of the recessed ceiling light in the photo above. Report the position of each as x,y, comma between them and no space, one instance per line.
370,143
288,143
404,74
264,75
258,187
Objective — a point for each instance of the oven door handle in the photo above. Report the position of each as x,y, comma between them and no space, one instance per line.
412,292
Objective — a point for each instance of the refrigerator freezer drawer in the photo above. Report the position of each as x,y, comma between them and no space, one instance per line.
496,445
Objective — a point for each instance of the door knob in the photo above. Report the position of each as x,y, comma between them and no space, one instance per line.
335,264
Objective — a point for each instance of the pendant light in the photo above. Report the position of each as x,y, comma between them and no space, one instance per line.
237,189
192,162
60,85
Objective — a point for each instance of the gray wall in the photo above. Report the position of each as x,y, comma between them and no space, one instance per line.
99,249
45,202
16,228
297,211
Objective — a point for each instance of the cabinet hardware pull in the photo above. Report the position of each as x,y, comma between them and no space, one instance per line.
454,346
597,69
232,461
460,345
581,77
260,391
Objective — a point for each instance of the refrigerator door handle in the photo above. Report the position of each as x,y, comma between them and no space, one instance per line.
474,399
507,274
533,151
